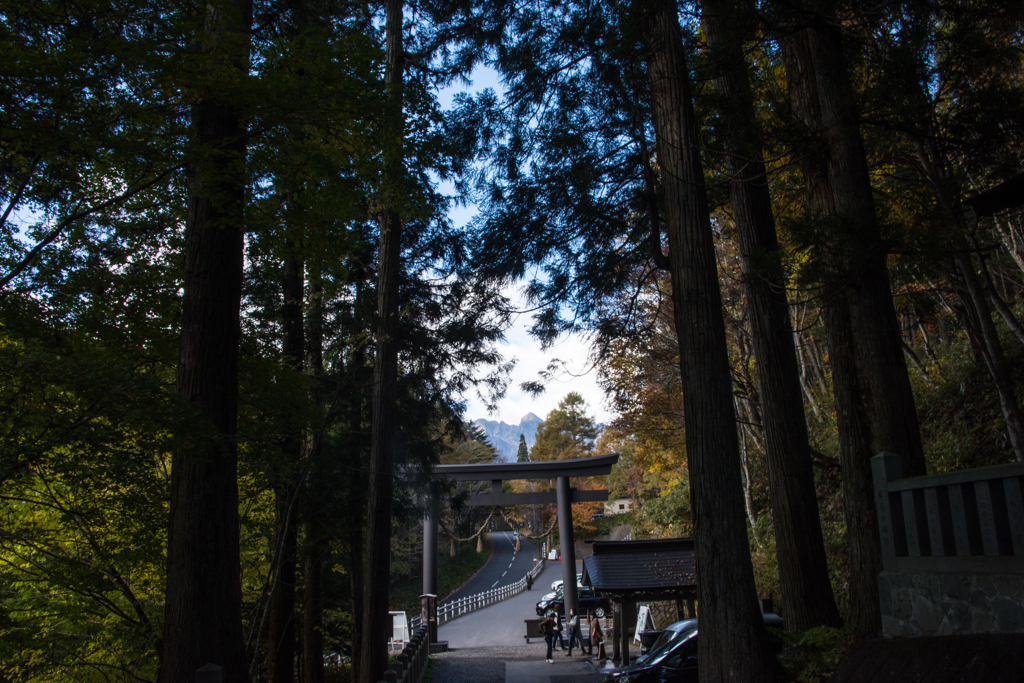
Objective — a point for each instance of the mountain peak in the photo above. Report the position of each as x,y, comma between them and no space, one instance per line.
505,437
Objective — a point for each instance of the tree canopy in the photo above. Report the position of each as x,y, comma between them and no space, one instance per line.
232,295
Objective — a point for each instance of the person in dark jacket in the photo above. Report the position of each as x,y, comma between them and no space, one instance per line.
559,630
548,631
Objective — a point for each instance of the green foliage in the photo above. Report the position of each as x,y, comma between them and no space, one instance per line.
961,423
83,500
604,525
568,432
452,572
812,656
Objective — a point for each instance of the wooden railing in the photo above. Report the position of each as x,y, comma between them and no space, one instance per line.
969,521
411,664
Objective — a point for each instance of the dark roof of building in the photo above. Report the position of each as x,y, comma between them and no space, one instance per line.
656,569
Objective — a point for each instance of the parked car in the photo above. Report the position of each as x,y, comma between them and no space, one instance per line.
590,600
555,585
669,637
673,658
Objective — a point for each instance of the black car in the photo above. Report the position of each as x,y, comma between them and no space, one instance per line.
675,661
589,599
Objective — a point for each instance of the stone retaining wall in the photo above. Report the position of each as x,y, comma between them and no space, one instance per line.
939,604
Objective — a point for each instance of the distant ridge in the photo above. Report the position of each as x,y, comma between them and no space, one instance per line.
505,437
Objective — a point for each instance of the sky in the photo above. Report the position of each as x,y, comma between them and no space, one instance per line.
571,349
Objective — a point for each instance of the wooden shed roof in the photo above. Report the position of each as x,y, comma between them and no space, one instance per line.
657,569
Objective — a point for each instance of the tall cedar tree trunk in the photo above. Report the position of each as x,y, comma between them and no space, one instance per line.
376,622
315,539
357,486
281,650
874,404
733,645
892,414
359,378
803,571
851,413
203,612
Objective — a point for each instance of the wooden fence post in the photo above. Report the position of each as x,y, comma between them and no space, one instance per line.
886,467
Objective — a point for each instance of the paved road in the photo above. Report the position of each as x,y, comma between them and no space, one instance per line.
505,566
501,624
487,646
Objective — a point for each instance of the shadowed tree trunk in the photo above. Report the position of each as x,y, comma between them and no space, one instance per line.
874,404
807,598
733,645
203,613
315,542
375,620
281,651
851,413
892,415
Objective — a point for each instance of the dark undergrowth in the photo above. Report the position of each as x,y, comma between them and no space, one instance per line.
452,572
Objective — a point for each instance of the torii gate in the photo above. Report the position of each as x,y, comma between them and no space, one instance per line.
496,473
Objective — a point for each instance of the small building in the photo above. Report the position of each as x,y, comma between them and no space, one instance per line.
626,572
619,506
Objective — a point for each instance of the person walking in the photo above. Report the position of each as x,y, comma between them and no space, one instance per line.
548,631
559,631
597,638
573,622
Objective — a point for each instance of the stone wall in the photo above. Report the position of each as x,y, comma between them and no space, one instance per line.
940,604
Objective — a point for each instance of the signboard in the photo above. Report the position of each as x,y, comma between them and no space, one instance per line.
644,622
399,627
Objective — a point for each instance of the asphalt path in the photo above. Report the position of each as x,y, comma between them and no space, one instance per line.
503,623
506,566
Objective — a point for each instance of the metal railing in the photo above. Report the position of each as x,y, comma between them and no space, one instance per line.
456,608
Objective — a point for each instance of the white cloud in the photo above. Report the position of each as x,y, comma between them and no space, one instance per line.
572,350
578,374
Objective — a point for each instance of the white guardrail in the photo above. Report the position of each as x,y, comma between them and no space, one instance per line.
456,608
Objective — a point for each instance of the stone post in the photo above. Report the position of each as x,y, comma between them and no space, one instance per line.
428,599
